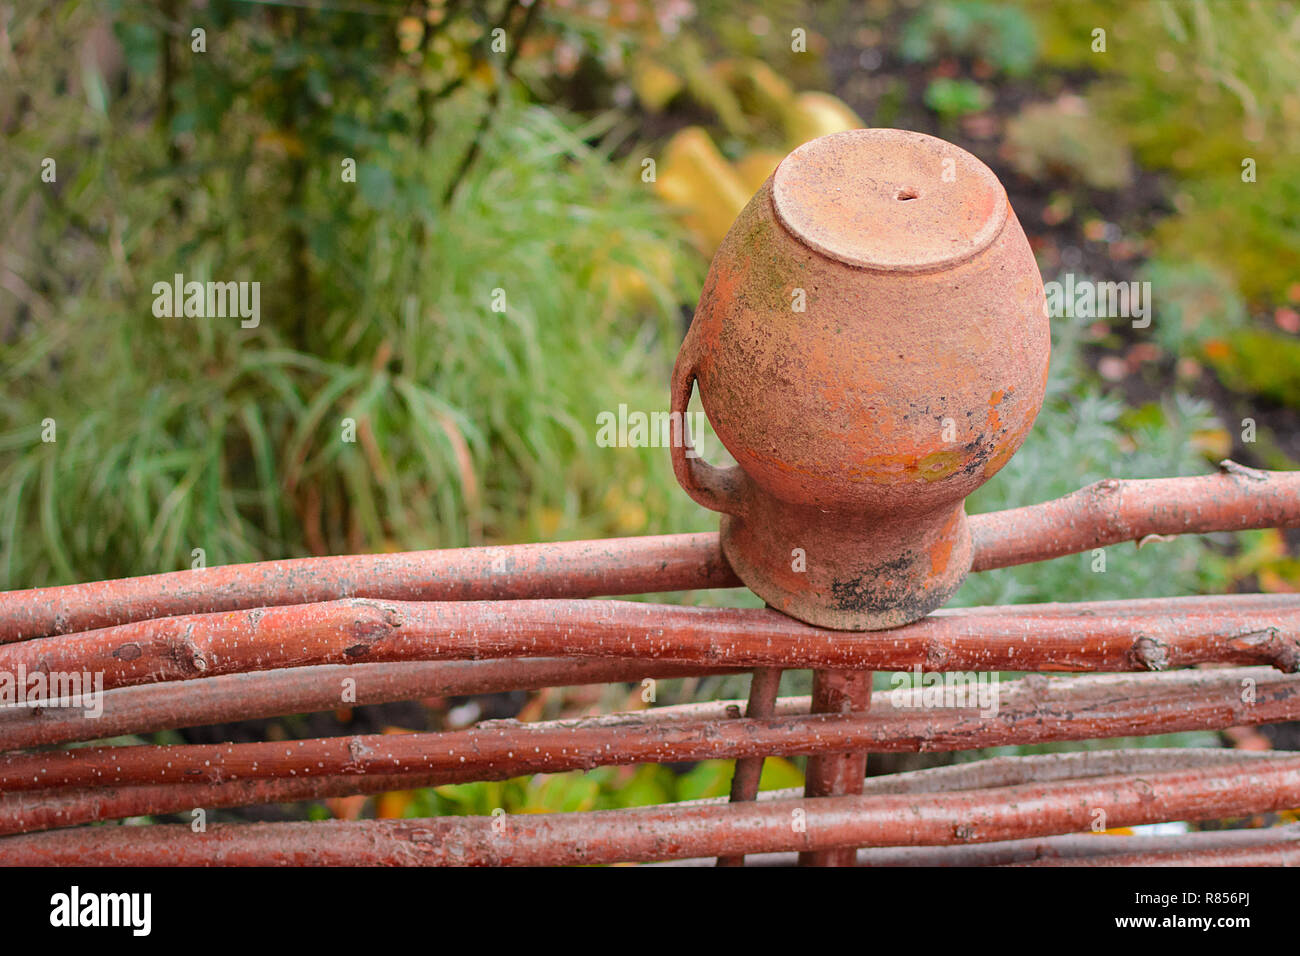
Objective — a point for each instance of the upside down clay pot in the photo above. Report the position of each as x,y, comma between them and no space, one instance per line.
871,345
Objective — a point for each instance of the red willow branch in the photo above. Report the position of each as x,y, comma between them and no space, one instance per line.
26,812
746,774
829,773
299,690
1113,511
149,708
30,811
1067,846
1108,512
567,569
1033,710
1284,853
1038,768
38,810
667,832
43,810
1043,768
1102,635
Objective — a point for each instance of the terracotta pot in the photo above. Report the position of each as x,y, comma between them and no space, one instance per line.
871,346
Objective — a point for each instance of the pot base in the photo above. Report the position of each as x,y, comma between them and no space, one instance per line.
848,575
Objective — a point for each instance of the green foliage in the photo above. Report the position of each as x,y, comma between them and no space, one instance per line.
1065,138
1193,303
953,99
474,424
605,788
1197,88
1078,416
377,307
1002,36
1247,228
1260,363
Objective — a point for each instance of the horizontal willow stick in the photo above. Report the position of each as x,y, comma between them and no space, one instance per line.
1108,512
1032,710
1113,511
1083,846
670,832
1100,635
565,569
148,708
1281,853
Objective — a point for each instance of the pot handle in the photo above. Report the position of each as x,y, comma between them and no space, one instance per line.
718,489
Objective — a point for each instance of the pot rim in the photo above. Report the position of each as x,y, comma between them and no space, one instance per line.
902,201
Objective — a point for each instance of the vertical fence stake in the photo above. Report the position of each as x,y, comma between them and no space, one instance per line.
836,692
763,686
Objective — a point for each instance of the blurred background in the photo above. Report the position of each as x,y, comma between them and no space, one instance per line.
478,226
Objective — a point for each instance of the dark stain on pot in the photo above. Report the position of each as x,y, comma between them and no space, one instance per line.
979,451
863,595
869,592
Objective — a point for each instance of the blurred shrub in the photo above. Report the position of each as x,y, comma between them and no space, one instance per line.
1065,138
1002,36
471,309
1253,361
1198,88
1193,304
606,788
953,99
1082,435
